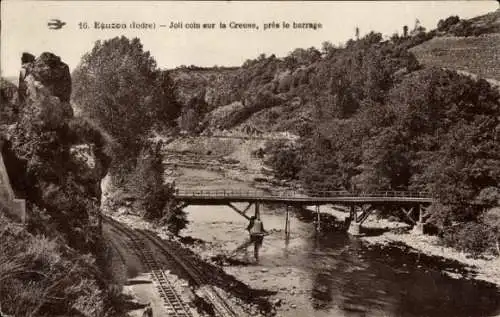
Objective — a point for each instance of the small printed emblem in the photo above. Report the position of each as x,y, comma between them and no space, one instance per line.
55,24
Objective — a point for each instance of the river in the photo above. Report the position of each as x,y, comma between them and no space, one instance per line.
334,274
346,277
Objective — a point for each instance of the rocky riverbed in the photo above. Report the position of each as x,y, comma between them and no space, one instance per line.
222,230
301,271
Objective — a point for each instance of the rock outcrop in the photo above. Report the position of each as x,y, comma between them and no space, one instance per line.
55,161
52,74
45,89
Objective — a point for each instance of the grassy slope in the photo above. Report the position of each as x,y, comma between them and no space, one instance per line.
477,55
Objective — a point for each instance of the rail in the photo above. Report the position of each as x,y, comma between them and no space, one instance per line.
174,304
172,301
224,193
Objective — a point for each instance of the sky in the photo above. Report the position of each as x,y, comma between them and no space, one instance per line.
24,27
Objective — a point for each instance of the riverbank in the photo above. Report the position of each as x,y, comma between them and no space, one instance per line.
487,270
284,266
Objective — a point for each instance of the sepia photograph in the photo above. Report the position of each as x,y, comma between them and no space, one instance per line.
249,158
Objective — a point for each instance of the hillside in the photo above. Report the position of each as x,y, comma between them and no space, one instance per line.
284,94
211,82
477,55
409,113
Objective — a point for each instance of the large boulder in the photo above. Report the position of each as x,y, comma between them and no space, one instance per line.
53,74
45,88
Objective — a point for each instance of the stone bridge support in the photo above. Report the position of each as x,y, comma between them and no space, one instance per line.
416,214
358,214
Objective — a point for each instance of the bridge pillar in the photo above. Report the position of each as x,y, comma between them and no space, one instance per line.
354,228
356,220
257,210
287,222
418,228
318,219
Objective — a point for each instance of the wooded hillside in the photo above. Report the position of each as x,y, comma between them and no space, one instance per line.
372,116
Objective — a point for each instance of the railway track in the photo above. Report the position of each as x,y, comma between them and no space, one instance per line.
174,304
192,269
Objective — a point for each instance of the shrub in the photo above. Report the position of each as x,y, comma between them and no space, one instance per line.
286,160
444,25
470,237
154,199
174,217
40,276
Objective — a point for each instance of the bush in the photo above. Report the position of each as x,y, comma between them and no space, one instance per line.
174,217
286,160
153,198
444,25
472,237
40,276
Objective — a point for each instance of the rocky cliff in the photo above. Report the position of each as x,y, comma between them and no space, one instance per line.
54,160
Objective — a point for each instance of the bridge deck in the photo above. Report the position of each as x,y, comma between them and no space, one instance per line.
207,197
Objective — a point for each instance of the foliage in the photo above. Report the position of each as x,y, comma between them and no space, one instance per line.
470,237
491,219
174,217
153,198
285,159
444,25
193,113
9,109
118,86
39,276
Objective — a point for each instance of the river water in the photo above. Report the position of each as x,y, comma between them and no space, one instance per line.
338,275
345,276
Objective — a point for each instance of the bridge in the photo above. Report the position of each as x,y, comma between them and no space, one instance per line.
361,205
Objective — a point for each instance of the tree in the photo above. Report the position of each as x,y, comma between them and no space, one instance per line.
118,86
193,113
405,31
444,25
327,47
153,198
285,159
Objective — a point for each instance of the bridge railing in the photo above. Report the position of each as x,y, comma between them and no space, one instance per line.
295,194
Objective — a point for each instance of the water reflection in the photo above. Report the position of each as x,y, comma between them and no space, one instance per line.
375,281
350,278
